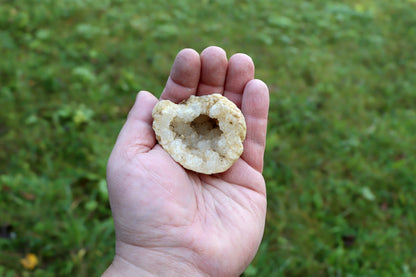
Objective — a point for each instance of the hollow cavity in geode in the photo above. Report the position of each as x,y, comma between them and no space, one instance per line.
204,134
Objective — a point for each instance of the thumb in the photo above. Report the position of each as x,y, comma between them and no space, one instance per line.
137,135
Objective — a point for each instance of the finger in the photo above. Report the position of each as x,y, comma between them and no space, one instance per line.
255,107
213,71
244,175
137,135
240,71
184,76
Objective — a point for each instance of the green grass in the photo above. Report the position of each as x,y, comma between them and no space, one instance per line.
340,162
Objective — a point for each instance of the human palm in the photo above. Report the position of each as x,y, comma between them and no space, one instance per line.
172,221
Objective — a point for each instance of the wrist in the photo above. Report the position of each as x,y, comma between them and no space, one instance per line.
121,267
138,261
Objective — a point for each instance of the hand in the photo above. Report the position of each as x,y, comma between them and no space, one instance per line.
174,222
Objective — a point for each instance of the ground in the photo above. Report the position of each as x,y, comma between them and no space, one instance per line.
340,162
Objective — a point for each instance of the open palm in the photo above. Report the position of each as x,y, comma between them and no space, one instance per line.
172,221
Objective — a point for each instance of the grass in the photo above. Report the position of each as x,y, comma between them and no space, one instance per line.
340,163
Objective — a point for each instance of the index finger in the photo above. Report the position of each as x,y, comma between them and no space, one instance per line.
184,76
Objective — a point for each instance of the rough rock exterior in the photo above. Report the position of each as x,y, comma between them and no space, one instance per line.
204,134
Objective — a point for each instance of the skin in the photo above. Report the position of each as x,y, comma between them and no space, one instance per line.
173,222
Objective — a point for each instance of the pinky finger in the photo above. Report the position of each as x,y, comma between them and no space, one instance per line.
255,107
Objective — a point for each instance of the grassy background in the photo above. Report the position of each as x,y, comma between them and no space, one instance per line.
340,162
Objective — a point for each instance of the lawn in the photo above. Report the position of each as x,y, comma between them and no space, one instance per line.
340,162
